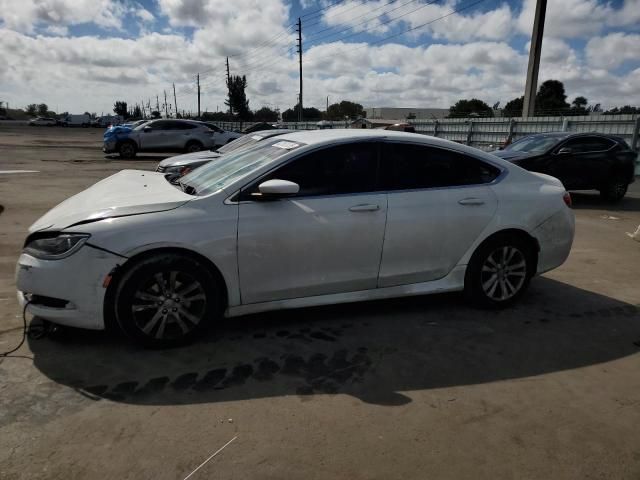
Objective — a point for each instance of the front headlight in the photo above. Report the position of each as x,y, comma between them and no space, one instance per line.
179,170
54,248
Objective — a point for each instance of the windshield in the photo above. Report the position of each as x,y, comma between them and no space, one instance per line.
244,141
214,176
533,144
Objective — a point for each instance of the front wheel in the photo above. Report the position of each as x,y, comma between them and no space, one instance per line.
499,272
127,150
193,147
167,300
615,189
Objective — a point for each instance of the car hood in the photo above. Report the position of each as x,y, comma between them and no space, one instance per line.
511,155
129,192
188,158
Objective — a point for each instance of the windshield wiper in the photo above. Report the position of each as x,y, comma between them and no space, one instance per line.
188,189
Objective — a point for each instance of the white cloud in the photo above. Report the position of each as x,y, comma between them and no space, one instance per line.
378,17
144,15
613,50
26,15
579,18
90,73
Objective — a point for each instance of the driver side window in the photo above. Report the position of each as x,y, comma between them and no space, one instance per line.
336,170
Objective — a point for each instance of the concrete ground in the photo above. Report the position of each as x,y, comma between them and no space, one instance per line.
412,388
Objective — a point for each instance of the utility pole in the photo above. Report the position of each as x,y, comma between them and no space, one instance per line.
300,65
157,104
166,112
229,87
144,113
529,103
175,102
198,80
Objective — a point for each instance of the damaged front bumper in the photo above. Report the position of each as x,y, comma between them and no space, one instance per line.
68,291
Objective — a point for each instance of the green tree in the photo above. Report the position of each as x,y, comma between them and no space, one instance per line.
237,98
32,109
338,111
266,114
627,109
513,108
551,99
120,108
308,114
579,106
470,108
43,109
136,112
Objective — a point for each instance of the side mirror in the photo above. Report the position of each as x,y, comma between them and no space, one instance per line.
564,151
275,188
147,129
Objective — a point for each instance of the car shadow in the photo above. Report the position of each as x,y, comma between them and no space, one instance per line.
593,201
373,351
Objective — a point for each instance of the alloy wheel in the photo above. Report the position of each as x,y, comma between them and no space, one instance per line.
169,305
503,273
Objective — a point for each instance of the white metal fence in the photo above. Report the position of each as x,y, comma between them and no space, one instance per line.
489,133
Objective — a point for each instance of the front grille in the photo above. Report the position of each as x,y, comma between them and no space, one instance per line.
160,169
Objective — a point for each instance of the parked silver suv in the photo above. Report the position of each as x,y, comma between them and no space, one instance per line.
161,136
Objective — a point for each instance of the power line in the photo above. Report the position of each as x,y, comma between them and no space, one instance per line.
366,14
395,35
386,22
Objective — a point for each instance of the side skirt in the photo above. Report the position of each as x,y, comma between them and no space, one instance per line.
453,282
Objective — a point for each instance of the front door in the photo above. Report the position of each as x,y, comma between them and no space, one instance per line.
157,137
326,239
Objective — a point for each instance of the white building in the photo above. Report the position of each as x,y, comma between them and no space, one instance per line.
392,113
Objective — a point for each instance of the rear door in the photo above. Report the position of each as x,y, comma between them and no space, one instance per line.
439,202
586,165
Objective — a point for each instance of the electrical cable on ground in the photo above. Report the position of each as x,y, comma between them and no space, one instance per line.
34,331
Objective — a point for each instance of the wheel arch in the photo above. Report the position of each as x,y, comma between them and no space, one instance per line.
117,274
512,232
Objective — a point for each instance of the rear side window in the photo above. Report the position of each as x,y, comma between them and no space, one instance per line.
336,170
589,144
406,167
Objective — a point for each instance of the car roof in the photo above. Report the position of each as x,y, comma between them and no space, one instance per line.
335,136
561,135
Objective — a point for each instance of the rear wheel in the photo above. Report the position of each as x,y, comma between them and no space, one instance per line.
127,150
500,271
167,300
615,189
193,146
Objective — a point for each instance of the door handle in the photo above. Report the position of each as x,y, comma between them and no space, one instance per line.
364,208
471,201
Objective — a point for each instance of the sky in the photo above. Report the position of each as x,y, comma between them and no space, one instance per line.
83,55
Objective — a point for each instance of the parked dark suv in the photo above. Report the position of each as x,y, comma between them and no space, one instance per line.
581,161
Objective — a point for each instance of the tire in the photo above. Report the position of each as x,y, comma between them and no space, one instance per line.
127,150
167,300
492,282
615,189
193,146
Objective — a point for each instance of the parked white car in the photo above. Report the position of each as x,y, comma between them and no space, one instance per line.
302,219
164,135
42,122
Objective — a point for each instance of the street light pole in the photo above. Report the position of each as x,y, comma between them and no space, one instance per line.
529,103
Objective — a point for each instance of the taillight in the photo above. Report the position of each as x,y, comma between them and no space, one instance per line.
567,199
184,171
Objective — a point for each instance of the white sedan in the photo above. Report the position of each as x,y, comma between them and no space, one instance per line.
43,122
307,218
